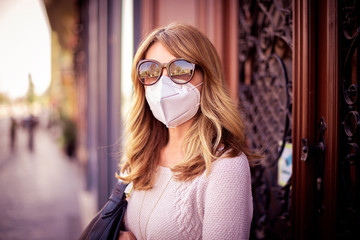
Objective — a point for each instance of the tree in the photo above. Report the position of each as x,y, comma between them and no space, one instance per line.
3,98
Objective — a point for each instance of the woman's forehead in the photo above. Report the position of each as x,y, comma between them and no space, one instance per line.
158,52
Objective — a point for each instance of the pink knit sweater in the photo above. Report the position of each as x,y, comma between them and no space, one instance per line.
218,206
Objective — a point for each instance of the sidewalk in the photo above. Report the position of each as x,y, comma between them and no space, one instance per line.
40,191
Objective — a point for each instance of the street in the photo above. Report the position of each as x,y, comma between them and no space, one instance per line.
40,190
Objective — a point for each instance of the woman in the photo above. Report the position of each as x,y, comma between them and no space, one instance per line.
186,152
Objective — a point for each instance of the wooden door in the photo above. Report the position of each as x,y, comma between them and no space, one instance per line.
325,202
299,81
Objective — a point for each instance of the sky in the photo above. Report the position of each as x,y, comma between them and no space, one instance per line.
25,47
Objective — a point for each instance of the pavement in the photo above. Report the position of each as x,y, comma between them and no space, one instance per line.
41,192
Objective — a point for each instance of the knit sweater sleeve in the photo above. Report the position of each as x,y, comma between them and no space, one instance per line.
228,206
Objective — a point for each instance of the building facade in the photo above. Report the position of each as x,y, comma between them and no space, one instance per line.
293,68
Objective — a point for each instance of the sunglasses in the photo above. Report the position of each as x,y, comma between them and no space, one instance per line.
179,70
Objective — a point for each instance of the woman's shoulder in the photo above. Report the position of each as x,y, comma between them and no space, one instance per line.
231,165
228,169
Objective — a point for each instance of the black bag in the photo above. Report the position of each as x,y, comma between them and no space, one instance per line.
108,222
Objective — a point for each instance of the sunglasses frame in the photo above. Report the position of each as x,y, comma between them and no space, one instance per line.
164,65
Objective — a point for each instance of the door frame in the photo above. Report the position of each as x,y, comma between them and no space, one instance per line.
316,95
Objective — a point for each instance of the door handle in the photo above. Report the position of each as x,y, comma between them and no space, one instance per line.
317,150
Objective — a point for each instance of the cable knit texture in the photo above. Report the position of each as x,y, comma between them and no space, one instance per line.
218,206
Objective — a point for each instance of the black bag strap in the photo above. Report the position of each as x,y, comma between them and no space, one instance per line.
117,195
109,220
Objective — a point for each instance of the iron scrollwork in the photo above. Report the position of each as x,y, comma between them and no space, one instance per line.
265,60
349,170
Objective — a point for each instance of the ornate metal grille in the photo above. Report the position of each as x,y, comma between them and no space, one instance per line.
349,170
265,60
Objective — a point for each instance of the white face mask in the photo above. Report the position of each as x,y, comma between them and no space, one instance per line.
171,103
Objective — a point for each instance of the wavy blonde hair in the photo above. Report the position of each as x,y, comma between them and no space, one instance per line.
218,127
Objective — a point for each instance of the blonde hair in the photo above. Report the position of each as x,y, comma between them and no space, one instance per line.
218,127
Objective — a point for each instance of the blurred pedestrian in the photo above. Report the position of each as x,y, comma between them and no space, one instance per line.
13,128
30,123
186,153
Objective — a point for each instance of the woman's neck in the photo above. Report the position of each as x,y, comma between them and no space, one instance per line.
172,152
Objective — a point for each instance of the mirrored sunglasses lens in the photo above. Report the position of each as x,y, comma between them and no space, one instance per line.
181,71
149,72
